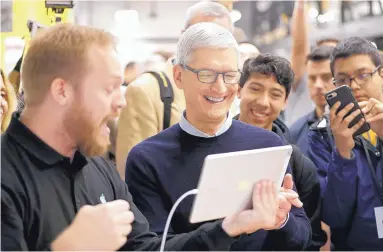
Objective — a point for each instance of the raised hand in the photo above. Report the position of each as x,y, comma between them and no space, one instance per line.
343,135
262,216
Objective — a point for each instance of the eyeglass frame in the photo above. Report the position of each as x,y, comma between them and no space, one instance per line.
197,71
334,81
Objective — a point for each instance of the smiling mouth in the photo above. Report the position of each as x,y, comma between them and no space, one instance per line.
212,99
259,115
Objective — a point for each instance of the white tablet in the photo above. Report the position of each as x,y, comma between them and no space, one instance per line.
227,180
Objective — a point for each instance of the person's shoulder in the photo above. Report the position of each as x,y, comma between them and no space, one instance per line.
158,142
300,122
103,167
253,132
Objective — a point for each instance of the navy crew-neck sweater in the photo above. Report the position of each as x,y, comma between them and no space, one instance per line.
160,169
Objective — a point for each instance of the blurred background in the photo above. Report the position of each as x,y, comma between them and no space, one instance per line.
148,30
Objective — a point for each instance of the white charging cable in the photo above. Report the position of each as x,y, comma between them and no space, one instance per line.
191,192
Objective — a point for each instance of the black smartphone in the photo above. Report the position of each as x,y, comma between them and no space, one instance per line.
345,96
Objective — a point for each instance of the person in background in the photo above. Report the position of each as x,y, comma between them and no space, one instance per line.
319,82
300,103
131,72
264,89
143,117
56,193
8,102
163,167
246,50
349,166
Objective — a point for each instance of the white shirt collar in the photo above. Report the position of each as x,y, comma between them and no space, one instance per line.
190,129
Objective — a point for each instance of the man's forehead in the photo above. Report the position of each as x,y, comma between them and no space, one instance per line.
353,63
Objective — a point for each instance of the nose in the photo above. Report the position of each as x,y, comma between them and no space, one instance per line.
219,85
263,101
319,83
354,85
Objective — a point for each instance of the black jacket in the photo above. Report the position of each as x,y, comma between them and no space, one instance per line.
307,184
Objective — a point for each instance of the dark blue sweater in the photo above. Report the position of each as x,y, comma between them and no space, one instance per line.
160,169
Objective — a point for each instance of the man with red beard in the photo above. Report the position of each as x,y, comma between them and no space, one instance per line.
350,167
319,82
55,195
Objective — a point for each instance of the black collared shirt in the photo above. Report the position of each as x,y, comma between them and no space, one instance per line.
41,192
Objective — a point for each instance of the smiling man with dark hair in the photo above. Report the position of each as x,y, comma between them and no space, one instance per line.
264,89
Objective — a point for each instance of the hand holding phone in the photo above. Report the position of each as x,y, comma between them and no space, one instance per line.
346,119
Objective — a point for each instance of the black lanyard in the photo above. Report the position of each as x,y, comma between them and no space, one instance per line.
378,184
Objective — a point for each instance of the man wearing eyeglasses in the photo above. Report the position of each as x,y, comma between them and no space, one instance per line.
353,192
162,168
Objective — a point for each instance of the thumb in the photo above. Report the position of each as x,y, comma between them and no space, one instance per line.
288,182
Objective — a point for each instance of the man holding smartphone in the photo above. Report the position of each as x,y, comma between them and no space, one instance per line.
351,166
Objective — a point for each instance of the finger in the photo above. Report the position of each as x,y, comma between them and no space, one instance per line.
264,192
125,217
362,104
357,126
297,203
290,195
124,230
333,110
275,194
117,205
288,182
256,194
378,117
376,109
344,111
346,122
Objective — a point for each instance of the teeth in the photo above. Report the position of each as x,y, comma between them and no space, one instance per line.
259,114
214,99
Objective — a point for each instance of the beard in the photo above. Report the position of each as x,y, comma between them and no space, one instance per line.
87,134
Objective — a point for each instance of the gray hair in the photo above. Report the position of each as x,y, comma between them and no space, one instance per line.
204,35
207,9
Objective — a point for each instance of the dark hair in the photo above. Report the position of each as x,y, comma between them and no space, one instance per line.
320,53
269,64
354,46
320,42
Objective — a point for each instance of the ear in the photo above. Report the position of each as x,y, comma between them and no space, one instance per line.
285,104
177,76
381,71
61,91
239,92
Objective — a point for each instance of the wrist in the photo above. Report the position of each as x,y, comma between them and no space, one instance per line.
230,228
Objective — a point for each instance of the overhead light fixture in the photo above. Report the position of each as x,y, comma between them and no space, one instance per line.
235,15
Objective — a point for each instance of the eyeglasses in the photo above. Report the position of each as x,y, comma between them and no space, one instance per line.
210,76
360,79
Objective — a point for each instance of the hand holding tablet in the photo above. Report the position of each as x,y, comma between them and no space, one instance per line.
245,188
